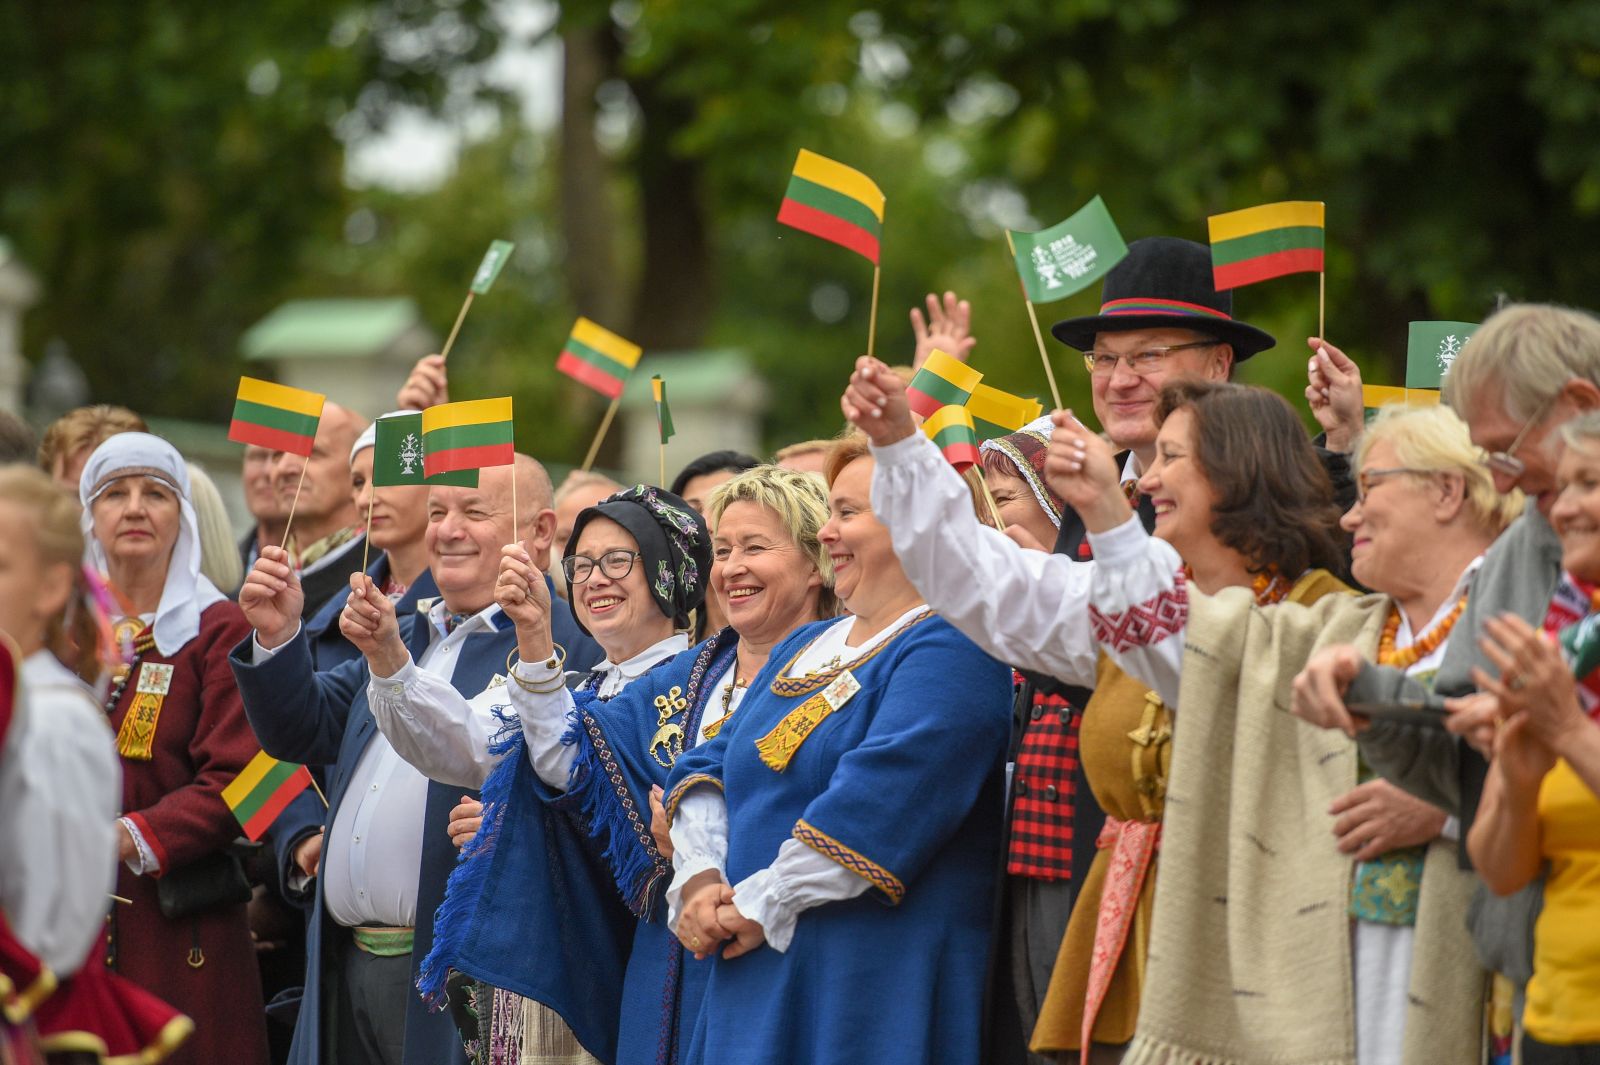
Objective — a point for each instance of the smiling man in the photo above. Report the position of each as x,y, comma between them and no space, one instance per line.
387,852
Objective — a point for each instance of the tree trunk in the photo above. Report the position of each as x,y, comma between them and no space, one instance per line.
588,219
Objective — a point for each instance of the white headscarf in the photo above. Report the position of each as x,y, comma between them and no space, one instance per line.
369,435
186,593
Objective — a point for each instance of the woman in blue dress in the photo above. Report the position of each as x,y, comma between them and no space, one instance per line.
864,768
599,756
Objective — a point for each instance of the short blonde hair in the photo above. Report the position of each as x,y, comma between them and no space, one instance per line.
1524,353
85,429
1436,439
219,552
74,637
801,503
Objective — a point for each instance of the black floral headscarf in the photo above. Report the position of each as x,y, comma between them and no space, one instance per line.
673,541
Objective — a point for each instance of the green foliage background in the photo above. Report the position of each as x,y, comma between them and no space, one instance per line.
173,171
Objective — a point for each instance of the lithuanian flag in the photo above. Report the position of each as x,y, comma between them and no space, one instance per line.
996,413
1265,242
944,380
275,416
658,388
262,789
834,202
598,358
467,435
1376,396
951,428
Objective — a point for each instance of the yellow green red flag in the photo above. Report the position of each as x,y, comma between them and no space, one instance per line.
996,412
598,358
944,380
951,428
834,202
262,789
275,416
1259,243
467,435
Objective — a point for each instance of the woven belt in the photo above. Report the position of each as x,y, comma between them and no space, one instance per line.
384,942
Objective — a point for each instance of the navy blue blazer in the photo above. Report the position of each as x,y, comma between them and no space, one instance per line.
302,715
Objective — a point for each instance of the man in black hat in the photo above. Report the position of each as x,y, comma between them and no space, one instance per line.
1160,318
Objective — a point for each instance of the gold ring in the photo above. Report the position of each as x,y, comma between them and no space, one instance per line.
1515,684
694,944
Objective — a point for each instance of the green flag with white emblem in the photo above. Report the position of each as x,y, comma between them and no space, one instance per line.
493,261
1430,349
397,455
1069,256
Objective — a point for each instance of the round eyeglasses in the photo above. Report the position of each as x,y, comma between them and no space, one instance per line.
614,564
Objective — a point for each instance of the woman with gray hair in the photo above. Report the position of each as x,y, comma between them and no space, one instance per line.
182,737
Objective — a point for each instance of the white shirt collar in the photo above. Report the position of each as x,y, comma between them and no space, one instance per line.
633,667
482,621
1130,467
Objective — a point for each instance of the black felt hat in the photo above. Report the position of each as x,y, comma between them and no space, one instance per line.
1164,283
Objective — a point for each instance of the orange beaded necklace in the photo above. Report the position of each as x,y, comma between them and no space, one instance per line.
1269,586
1422,646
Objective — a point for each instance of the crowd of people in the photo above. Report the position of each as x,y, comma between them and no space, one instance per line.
1170,735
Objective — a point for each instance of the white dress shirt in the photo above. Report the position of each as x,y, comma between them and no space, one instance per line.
799,877
546,717
60,788
373,852
446,735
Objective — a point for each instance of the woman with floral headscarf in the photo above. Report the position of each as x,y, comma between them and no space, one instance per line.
182,737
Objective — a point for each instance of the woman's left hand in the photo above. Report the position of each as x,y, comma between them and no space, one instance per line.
747,934
1534,678
1081,469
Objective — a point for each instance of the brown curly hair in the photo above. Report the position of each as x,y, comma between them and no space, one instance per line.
1274,502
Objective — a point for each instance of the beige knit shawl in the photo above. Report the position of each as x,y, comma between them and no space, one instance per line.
1250,959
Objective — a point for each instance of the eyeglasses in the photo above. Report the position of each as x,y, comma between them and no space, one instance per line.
1506,463
1143,363
1367,480
614,564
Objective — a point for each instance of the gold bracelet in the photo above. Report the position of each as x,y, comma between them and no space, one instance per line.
555,686
557,659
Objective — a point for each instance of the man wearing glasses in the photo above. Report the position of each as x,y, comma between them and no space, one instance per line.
1161,318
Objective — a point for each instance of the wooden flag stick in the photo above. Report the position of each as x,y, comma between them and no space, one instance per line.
366,538
975,476
872,315
516,526
1038,337
450,341
605,423
318,790
286,525
1322,305
663,482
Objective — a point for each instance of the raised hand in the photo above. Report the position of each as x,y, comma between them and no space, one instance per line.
1319,690
522,594
427,385
368,621
1333,390
947,328
875,403
271,598
1081,469
1534,679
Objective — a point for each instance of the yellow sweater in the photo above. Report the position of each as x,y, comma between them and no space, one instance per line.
1564,994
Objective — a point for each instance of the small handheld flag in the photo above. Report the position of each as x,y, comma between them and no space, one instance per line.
261,791
398,458
944,380
275,416
467,435
598,358
1069,256
951,428
494,260
658,389
996,413
1375,396
1431,348
834,202
1259,243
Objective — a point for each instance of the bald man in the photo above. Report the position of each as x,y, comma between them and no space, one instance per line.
325,538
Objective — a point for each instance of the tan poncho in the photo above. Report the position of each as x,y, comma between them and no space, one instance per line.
1250,957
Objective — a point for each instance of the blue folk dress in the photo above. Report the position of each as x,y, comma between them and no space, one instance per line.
902,785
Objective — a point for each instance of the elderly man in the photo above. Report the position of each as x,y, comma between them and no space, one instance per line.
1528,369
325,535
1161,318
261,500
387,854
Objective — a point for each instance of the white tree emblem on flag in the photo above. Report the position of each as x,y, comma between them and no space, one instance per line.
1064,256
1046,268
1449,348
410,454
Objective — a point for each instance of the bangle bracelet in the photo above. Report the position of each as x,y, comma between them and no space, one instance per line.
555,686
557,659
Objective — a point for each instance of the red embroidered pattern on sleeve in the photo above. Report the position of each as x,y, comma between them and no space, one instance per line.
1147,623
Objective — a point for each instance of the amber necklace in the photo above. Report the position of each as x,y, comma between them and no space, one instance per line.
1422,646
1268,585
